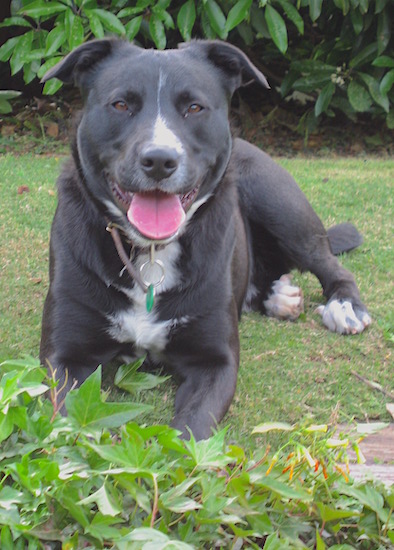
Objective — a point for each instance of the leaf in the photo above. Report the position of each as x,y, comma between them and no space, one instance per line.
239,12
216,18
277,28
387,82
272,542
390,120
6,540
293,15
27,363
365,56
6,426
77,33
208,453
132,381
363,6
357,21
48,65
69,498
359,97
324,99
87,408
258,22
9,94
55,39
175,500
38,9
133,27
383,30
315,9
281,488
384,61
105,501
7,48
186,18
95,24
157,540
380,5
373,87
110,21
157,32
5,107
164,16
367,495
390,408
368,428
328,513
22,49
128,12
15,22
271,426
319,542
52,86
342,5
208,31
180,505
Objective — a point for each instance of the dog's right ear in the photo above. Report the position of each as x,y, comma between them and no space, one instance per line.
80,61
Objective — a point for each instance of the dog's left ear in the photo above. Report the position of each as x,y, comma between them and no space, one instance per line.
237,68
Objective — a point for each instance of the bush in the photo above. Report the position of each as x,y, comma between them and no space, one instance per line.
335,55
97,479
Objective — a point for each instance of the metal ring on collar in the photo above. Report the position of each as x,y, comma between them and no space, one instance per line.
144,272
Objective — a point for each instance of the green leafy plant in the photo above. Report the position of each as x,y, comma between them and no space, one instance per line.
335,55
5,96
97,479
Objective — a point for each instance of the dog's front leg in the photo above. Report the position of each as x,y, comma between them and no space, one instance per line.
204,396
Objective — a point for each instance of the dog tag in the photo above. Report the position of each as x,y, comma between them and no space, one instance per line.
152,273
150,296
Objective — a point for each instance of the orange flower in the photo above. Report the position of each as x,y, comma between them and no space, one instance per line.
342,472
272,464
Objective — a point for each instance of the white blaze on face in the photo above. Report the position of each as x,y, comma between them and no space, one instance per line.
162,135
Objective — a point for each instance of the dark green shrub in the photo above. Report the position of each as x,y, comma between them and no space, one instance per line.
335,55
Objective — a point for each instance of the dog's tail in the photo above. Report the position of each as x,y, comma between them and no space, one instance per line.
343,237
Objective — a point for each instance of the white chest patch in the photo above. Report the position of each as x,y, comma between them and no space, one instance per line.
136,325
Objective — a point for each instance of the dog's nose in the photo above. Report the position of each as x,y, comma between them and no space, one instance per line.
159,162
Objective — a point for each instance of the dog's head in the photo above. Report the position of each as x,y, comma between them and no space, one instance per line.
154,139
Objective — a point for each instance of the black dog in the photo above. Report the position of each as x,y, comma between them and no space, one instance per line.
211,226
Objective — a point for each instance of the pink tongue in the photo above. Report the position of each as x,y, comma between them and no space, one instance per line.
156,215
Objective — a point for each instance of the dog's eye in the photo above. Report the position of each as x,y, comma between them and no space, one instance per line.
120,106
193,109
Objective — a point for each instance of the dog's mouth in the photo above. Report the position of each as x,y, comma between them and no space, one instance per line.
155,214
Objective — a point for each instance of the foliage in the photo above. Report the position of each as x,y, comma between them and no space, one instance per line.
97,479
5,96
336,55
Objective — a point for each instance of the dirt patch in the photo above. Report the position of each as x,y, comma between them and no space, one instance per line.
378,451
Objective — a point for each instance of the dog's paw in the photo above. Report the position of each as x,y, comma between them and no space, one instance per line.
286,300
339,316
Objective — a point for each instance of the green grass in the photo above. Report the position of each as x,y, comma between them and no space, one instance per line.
288,370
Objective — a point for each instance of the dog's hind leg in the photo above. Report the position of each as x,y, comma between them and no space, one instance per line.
286,233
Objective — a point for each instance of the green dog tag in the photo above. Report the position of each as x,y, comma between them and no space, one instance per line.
150,295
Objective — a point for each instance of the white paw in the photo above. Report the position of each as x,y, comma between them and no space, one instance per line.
339,316
286,300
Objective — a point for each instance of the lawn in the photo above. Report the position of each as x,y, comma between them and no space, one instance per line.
288,371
